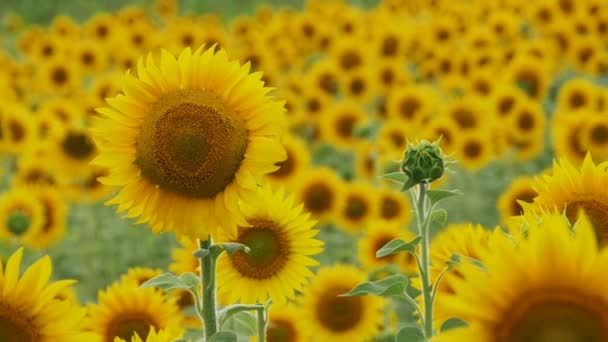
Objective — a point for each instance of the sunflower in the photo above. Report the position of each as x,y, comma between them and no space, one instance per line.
595,137
60,109
576,94
466,113
548,287
583,51
34,170
359,85
340,122
57,76
90,56
358,207
297,162
445,131
520,189
55,213
161,335
465,239
505,99
329,317
393,137
381,232
101,28
284,325
21,215
349,55
528,75
73,149
569,189
29,311
18,128
86,186
527,122
321,191
140,275
566,135
474,150
366,159
124,310
281,239
390,74
393,206
412,104
151,139
65,27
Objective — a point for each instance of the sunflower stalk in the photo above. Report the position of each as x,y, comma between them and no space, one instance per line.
423,214
207,310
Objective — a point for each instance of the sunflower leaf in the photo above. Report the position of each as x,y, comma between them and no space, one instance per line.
397,245
438,219
456,259
190,280
394,285
233,247
224,336
397,177
166,282
436,196
233,309
243,323
410,334
452,323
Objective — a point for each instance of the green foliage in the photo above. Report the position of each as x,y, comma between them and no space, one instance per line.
422,163
168,282
436,196
410,334
397,245
452,323
224,336
393,286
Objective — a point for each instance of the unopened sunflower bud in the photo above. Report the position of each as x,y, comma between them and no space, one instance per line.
423,163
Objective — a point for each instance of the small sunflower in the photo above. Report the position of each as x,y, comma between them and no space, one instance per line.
566,135
124,310
393,207
358,207
520,189
340,122
570,189
57,76
321,191
18,129
30,312
547,287
577,94
140,275
21,215
327,316
73,150
281,240
474,150
445,131
55,214
595,137
161,335
187,140
284,325
293,167
412,104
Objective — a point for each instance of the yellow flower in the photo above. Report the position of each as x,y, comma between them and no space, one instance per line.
188,140
153,336
281,240
328,317
124,310
21,215
550,286
520,189
30,312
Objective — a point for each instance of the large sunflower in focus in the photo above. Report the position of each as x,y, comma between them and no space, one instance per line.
281,238
570,189
188,140
548,287
29,311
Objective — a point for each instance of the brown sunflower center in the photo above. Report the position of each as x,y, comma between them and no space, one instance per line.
49,215
78,145
59,75
328,83
526,195
185,300
191,144
339,314
577,100
357,86
599,134
318,198
409,107
350,60
16,131
389,208
505,105
553,316
281,330
528,81
525,121
345,125
286,167
356,208
464,118
597,213
472,149
125,326
14,327
87,58
390,45
269,250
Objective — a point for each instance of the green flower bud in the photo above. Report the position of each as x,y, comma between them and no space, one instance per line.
18,223
423,163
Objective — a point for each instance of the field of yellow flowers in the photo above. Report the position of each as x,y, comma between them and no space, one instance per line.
289,171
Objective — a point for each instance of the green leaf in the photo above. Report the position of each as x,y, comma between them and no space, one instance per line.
452,323
224,336
244,323
410,334
436,196
397,246
190,280
166,282
201,253
456,259
390,286
438,219
233,247
397,177
233,309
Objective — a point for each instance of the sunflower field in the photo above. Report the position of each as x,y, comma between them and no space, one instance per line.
296,171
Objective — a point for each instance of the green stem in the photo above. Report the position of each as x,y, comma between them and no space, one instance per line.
423,230
261,325
208,279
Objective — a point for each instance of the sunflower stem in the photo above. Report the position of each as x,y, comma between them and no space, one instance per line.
261,325
424,265
209,312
